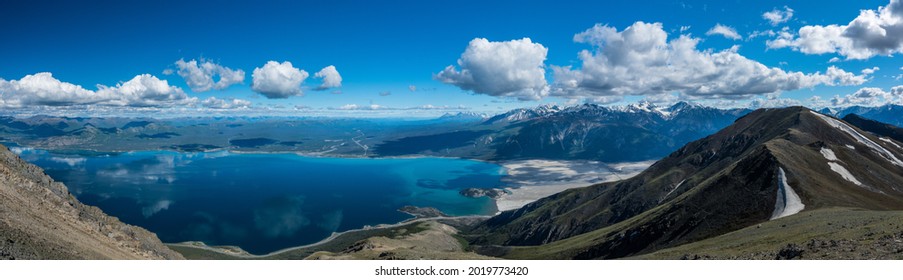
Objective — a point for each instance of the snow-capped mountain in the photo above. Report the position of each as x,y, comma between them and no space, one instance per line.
522,114
643,109
634,132
889,113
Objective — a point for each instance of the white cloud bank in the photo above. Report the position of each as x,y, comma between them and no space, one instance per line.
640,60
872,33
869,96
216,103
503,69
42,89
199,75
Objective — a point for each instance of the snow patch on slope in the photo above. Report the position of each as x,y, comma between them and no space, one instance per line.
891,142
861,138
664,112
829,154
839,169
672,190
788,202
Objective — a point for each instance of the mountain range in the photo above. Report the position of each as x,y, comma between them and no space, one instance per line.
635,132
889,113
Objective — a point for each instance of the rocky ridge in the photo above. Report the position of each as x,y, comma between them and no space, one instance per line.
40,219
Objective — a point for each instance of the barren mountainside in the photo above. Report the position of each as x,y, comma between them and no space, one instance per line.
769,164
40,219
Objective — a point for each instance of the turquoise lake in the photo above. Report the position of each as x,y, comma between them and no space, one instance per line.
264,202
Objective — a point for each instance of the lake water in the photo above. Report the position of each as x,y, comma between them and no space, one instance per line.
263,202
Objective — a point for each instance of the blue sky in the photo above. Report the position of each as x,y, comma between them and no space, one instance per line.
387,46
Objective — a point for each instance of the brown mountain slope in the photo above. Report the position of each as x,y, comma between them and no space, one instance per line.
718,184
40,219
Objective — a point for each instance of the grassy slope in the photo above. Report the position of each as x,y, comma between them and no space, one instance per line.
418,235
832,233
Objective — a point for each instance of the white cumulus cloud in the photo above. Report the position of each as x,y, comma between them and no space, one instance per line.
145,90
199,75
724,30
872,33
773,101
776,16
43,89
869,71
870,96
640,60
278,80
330,76
503,69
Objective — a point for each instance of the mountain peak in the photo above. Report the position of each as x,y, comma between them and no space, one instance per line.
681,105
639,107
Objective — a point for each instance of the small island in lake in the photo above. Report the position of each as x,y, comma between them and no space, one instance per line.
481,192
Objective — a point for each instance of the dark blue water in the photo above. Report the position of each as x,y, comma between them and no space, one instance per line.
263,202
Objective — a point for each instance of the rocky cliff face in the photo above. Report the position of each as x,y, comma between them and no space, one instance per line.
40,219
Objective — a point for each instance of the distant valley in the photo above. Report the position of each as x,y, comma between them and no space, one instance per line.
630,133
634,132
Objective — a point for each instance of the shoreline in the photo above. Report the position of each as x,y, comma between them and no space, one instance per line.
224,249
531,180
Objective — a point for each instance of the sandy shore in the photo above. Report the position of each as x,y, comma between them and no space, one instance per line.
530,180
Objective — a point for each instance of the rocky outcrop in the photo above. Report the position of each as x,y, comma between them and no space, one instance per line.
40,219
422,212
481,192
429,240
